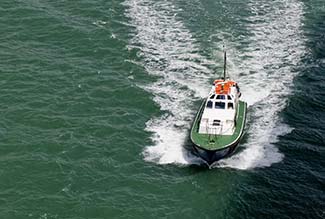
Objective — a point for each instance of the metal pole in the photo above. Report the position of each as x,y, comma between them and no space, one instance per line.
224,65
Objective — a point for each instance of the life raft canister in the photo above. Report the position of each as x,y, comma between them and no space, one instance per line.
223,88
217,81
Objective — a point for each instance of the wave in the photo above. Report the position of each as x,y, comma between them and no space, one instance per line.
169,52
265,71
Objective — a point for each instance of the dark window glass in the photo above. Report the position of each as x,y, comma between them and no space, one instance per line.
229,97
220,105
209,104
212,96
230,106
221,97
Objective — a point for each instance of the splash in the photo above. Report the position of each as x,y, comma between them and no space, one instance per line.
267,70
169,51
264,71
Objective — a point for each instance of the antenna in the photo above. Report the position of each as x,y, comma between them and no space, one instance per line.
224,65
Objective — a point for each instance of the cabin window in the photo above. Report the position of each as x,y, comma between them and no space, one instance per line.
229,97
221,97
216,122
209,104
230,106
212,96
220,105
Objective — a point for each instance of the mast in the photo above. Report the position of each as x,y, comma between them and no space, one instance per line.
224,65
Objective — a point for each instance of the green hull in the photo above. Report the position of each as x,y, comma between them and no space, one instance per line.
213,143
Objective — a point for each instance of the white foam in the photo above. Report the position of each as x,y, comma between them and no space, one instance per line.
169,52
264,71
267,68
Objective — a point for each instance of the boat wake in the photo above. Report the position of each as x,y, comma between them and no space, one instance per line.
169,52
264,70
267,70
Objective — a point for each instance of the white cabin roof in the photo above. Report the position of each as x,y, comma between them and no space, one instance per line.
222,104
218,114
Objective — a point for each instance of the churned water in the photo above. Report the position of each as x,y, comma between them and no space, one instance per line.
97,99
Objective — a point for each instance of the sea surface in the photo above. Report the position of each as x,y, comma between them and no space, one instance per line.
97,99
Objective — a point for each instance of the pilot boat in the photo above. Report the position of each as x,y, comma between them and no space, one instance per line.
220,121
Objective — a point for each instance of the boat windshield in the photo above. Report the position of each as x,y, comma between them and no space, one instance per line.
221,97
220,105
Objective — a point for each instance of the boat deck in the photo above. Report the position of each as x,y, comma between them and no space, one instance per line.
215,142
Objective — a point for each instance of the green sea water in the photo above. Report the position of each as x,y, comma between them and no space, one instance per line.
97,99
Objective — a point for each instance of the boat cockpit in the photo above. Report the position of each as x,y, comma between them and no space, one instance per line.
221,102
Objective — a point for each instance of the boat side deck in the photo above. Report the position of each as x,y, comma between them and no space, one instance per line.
215,142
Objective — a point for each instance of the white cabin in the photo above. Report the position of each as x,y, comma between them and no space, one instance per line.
219,112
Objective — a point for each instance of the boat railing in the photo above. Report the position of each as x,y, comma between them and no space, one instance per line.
198,116
214,132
